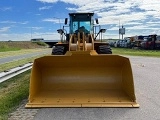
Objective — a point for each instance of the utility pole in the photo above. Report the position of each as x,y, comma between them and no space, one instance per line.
122,34
119,29
31,32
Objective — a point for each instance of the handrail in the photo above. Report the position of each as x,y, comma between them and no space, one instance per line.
92,41
85,45
79,42
70,42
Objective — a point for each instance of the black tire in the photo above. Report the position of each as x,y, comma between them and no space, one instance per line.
151,47
104,49
58,50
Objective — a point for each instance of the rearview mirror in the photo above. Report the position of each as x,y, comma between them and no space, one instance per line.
66,20
97,21
102,30
60,31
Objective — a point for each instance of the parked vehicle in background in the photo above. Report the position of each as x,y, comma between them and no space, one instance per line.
127,42
117,43
123,43
120,43
111,43
151,42
157,42
137,41
144,42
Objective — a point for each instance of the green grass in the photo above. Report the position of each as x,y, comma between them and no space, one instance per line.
7,66
12,92
20,52
41,43
136,52
4,48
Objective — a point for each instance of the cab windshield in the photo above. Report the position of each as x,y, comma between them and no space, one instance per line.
81,26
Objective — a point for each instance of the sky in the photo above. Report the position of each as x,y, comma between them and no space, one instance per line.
22,20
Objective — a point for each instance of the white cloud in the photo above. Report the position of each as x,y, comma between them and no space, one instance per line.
150,22
138,16
36,28
133,23
13,22
51,20
111,12
54,20
142,27
5,8
38,14
48,1
28,36
8,22
45,7
75,2
25,22
4,29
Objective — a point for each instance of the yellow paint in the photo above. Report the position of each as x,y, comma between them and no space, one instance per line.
82,79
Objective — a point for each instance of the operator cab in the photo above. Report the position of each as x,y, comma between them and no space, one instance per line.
81,22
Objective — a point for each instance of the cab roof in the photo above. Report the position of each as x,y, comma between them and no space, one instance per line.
72,14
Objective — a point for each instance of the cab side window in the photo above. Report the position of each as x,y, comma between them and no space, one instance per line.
158,38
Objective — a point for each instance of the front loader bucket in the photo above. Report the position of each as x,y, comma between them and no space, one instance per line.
82,81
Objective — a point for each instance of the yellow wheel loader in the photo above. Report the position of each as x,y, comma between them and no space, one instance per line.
82,71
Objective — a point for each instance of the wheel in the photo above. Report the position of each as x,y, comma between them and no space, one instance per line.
104,49
151,47
58,50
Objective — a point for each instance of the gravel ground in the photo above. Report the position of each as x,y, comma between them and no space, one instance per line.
146,73
23,114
